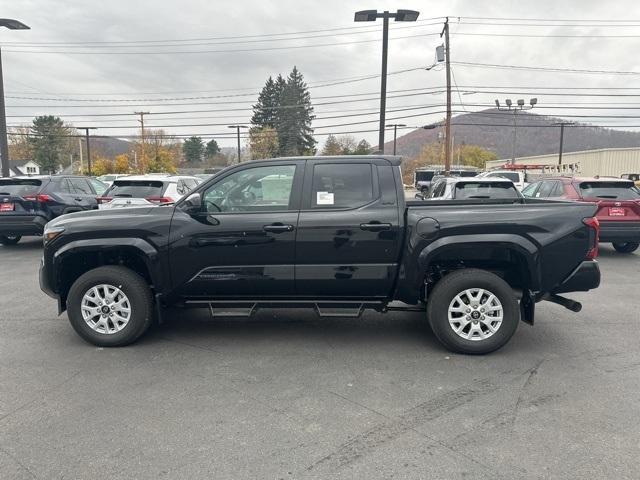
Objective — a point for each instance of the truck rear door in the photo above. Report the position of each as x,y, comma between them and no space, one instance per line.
349,230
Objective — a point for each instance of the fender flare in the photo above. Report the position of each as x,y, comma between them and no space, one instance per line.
148,253
521,245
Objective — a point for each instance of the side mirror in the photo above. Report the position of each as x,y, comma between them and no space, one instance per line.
419,196
193,204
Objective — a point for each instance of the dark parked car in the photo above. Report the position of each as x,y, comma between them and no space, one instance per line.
332,233
618,204
28,203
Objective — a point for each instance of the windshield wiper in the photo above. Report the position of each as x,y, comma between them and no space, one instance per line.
478,196
606,196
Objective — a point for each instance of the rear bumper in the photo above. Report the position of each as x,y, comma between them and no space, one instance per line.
22,224
582,279
619,231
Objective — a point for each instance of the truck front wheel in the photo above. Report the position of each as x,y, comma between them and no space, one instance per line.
110,306
473,311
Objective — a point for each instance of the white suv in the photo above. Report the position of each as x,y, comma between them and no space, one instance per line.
519,179
146,190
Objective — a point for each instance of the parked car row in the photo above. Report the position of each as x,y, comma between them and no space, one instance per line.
27,203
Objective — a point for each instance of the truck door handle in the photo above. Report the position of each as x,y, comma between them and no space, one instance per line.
77,199
278,228
375,226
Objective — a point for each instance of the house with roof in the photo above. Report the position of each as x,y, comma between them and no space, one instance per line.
23,167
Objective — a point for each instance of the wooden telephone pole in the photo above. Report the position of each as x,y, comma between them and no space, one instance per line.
142,114
447,128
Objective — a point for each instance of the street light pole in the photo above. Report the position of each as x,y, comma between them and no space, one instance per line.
371,16
238,127
395,132
516,108
4,144
86,130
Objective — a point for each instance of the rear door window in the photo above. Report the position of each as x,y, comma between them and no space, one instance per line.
136,188
545,189
530,190
19,187
608,190
342,185
81,186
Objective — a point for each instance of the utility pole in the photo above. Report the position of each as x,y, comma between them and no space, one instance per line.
395,133
447,132
86,130
142,114
238,127
4,144
562,125
80,150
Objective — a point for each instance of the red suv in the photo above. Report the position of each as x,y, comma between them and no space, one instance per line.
618,203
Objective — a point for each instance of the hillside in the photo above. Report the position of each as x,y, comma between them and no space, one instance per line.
493,130
109,146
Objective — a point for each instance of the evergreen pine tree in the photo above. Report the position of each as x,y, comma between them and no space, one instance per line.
293,119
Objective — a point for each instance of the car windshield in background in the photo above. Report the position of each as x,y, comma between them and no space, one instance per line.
135,188
513,176
20,187
611,190
470,190
466,173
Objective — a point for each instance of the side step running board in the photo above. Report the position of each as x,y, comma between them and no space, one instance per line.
330,310
232,311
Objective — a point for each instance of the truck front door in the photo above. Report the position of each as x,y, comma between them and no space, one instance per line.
242,242
348,231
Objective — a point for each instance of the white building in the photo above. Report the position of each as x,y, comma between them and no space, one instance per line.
605,161
28,167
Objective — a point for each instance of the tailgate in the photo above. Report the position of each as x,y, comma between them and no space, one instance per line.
618,210
15,205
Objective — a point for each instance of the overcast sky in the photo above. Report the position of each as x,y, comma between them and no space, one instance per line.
182,51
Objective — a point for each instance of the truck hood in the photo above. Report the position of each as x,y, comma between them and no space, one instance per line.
92,218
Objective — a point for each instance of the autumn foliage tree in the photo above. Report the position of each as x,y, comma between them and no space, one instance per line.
263,142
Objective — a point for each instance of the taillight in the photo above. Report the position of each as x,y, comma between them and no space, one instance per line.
594,236
103,199
159,199
42,198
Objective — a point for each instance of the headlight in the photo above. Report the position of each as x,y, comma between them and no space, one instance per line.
50,233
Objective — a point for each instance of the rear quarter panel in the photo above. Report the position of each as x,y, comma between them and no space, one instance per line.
549,235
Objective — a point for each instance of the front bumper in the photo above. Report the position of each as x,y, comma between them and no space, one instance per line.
43,280
585,277
619,232
22,224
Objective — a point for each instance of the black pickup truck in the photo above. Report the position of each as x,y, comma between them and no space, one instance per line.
333,233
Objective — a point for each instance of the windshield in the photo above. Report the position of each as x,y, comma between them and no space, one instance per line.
609,190
424,176
485,190
19,187
135,188
465,173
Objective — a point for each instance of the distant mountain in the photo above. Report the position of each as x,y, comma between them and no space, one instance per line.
109,146
493,130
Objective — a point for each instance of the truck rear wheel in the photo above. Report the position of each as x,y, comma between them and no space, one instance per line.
9,239
473,311
628,247
110,306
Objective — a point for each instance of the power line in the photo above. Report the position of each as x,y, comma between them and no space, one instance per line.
546,69
398,27
237,50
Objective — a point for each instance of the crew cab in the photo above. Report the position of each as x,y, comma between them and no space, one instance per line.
617,200
332,233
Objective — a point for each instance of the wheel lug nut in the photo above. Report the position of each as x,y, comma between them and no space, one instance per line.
468,317
468,310
482,310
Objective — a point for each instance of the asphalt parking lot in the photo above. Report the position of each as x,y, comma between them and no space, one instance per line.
287,395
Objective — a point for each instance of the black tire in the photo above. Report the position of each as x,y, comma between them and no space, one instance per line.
628,247
453,284
9,239
132,285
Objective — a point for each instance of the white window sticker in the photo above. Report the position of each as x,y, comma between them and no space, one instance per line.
324,198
